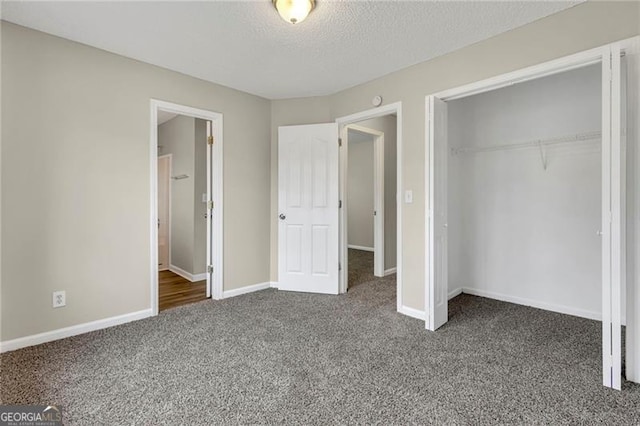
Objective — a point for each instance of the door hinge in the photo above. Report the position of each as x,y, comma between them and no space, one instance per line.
210,205
340,204
339,141
210,269
339,266
375,213
210,140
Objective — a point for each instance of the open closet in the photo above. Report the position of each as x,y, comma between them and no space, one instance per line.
532,194
524,193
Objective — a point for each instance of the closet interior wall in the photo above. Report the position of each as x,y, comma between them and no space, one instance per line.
524,193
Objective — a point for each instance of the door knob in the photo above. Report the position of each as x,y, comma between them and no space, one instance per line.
282,216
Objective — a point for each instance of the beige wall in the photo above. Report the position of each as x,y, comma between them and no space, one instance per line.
185,138
64,182
76,187
360,190
177,137
582,27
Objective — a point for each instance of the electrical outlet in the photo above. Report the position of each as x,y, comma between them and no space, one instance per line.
59,299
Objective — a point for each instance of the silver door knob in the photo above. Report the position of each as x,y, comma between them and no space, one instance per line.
282,216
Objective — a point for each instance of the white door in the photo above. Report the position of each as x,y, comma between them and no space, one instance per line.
308,208
613,220
164,194
436,297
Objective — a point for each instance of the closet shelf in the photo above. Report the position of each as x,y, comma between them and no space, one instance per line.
536,143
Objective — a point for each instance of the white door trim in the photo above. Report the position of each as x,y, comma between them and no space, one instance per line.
378,194
215,176
567,63
342,123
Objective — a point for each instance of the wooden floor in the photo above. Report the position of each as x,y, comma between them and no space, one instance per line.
177,291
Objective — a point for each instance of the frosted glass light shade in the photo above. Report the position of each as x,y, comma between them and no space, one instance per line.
294,11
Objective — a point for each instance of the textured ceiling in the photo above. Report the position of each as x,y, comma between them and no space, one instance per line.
247,46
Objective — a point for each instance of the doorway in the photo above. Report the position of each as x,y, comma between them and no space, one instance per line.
594,232
312,203
186,217
370,150
365,201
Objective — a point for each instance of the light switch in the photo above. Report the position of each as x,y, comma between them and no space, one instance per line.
408,196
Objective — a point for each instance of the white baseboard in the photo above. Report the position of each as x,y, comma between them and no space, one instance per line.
273,284
390,271
534,303
245,290
48,336
454,293
413,313
186,275
363,248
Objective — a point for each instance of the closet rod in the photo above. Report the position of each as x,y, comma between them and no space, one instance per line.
536,143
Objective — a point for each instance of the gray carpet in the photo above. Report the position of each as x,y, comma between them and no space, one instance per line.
360,268
274,357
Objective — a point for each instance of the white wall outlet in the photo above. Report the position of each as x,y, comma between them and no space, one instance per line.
59,299
408,196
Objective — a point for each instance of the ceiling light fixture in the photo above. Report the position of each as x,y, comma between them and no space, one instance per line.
294,11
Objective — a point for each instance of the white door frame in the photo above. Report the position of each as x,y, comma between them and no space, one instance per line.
214,189
342,123
378,194
170,156
611,311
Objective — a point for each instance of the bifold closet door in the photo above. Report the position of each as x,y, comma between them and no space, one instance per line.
613,199
631,70
436,297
